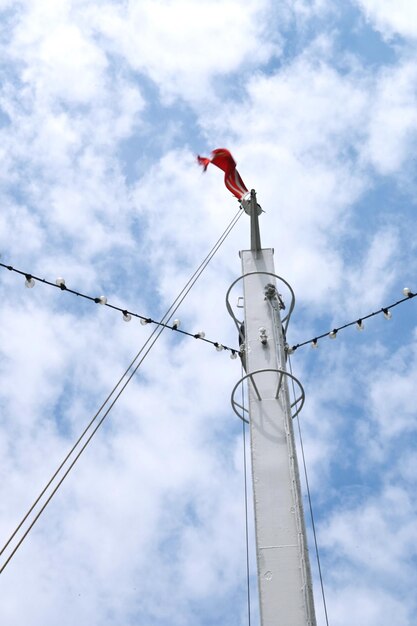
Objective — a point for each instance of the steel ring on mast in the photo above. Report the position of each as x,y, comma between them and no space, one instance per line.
243,410
285,320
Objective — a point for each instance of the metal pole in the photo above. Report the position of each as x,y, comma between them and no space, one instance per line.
285,588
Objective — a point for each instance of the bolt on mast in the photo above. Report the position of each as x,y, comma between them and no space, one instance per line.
284,577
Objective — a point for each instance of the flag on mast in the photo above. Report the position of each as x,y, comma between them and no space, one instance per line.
224,160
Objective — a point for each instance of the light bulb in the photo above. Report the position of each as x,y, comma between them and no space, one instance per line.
332,334
60,282
289,349
126,316
176,324
406,291
201,334
29,282
387,314
219,347
360,325
314,343
144,322
233,354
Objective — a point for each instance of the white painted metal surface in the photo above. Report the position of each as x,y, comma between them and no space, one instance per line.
283,567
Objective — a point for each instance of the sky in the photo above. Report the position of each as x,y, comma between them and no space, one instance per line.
104,106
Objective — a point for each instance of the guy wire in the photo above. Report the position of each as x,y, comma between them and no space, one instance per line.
158,330
246,505
309,501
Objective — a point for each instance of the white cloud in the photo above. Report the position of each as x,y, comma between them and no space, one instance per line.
373,542
367,605
391,18
376,273
182,45
393,119
61,62
391,394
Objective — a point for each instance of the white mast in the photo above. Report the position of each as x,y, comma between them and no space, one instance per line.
285,587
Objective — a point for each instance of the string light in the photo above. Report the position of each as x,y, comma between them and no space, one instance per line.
29,282
126,315
359,322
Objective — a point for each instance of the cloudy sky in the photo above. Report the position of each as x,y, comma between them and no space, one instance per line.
104,105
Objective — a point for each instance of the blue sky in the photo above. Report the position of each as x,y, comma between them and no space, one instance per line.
103,107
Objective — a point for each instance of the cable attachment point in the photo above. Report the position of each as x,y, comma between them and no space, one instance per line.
245,203
263,337
271,293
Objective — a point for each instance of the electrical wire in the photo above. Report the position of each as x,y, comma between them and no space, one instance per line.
216,344
384,310
155,334
126,313
313,525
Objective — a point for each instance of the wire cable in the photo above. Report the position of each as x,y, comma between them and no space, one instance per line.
169,313
284,356
157,331
310,501
246,506
43,507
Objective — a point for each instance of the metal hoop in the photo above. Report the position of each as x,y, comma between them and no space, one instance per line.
282,373
285,320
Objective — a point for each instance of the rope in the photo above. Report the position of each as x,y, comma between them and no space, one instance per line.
310,502
157,331
246,507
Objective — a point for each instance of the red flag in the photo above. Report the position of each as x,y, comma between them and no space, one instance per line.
224,160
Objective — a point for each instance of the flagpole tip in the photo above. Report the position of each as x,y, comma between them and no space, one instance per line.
246,203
